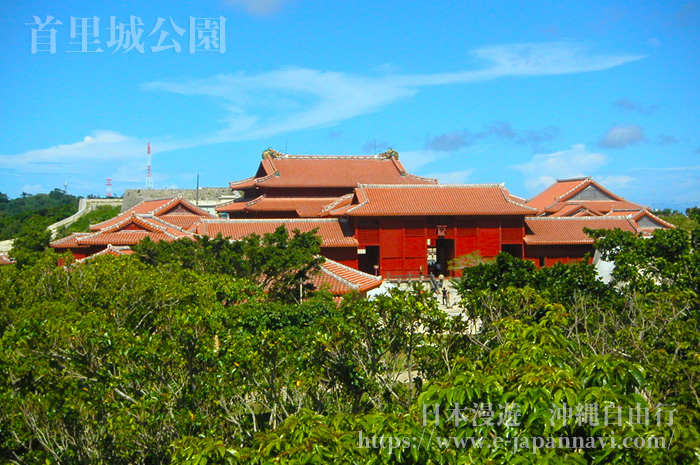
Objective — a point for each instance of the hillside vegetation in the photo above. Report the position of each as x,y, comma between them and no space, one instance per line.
34,211
98,215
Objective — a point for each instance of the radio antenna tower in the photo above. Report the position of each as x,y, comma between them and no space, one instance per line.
149,175
109,187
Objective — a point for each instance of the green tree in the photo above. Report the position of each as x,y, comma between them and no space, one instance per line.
280,262
28,247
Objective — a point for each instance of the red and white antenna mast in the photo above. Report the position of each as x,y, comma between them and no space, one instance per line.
149,175
109,187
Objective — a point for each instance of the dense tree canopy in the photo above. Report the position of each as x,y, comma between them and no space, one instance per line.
192,353
31,211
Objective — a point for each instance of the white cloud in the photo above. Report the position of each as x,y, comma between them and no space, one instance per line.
622,136
615,182
99,147
263,105
258,7
543,169
33,188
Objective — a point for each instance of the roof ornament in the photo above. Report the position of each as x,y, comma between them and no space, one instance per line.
391,153
271,153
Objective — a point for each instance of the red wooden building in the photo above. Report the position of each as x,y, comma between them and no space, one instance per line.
162,220
567,207
551,240
412,230
402,224
295,186
375,217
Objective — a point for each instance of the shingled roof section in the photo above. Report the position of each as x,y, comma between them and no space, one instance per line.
557,196
599,206
180,212
431,199
342,279
575,209
569,230
304,207
117,251
637,215
129,231
334,232
278,170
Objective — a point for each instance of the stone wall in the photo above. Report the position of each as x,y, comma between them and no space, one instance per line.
207,195
84,206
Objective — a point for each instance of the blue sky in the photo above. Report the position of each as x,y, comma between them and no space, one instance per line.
511,92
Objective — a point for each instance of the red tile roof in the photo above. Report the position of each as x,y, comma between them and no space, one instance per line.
431,199
330,171
575,209
178,209
334,232
342,279
569,230
110,250
68,241
600,206
561,188
129,231
636,215
304,207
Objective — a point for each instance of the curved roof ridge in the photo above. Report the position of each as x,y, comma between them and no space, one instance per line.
267,220
166,224
408,186
507,197
340,199
565,218
343,157
348,268
339,278
573,189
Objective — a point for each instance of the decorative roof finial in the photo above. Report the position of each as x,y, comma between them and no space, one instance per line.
271,153
391,153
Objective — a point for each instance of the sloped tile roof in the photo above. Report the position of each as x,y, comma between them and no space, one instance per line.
334,232
304,207
110,250
569,230
575,209
556,197
160,207
330,171
122,233
342,279
636,215
430,199
69,241
600,206
559,189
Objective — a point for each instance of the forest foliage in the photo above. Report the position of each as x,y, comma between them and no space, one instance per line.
194,353
34,212
98,215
